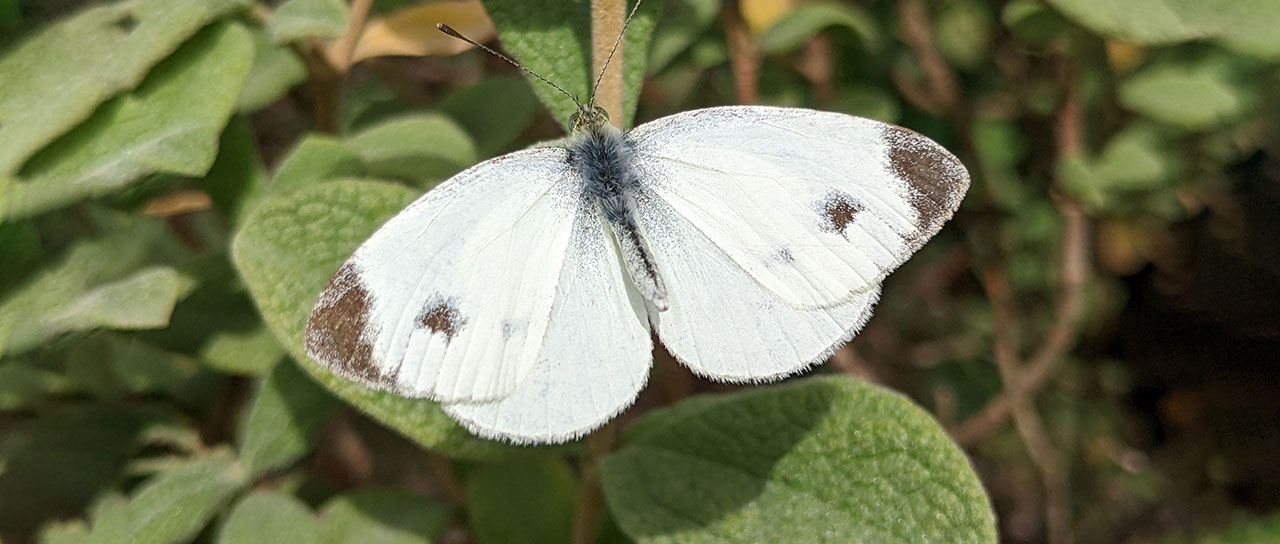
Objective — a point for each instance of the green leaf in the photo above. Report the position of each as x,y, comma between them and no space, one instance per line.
1243,530
554,39
523,502
171,506
237,175
963,30
1246,26
494,111
270,517
57,460
22,385
317,158
811,18
95,283
56,77
423,148
866,101
299,19
284,420
287,249
109,365
275,70
1136,158
816,460
1194,97
383,516
682,22
170,124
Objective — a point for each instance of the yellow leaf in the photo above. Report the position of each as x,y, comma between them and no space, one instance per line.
1124,56
761,14
412,32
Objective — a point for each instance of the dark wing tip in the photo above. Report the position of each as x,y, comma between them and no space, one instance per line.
936,178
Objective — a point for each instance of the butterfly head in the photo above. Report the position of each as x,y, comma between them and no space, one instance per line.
588,117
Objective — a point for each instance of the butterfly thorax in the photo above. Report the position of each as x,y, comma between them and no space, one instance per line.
605,159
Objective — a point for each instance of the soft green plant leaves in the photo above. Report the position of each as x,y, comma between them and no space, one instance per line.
964,31
55,78
383,516
818,460
682,22
494,111
170,124
61,457
94,283
811,18
270,517
1245,530
298,19
284,419
171,506
315,159
1247,26
1194,97
554,39
525,502
275,70
288,248
420,148
1137,158
237,175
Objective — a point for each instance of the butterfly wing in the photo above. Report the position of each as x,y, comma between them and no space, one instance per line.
594,360
451,298
816,207
724,325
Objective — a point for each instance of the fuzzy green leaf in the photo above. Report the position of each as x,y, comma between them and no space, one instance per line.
811,18
1194,97
494,111
170,124
682,22
523,502
275,70
173,505
383,516
270,517
284,419
554,39
55,78
298,19
423,148
1246,26
289,246
817,460
237,175
95,283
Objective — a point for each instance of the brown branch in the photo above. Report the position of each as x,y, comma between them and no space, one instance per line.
590,510
917,32
607,17
357,18
744,55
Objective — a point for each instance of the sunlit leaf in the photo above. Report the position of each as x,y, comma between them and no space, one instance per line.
1247,26
811,18
283,420
420,148
818,460
170,124
270,517
299,19
275,70
412,31
1195,97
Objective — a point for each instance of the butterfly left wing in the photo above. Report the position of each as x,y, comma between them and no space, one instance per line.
816,207
595,356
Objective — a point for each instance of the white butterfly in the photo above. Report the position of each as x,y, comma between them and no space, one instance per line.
522,293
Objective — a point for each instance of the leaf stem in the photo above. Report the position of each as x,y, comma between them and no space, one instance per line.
590,511
744,55
607,17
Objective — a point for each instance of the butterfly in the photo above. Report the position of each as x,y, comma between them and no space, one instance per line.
523,293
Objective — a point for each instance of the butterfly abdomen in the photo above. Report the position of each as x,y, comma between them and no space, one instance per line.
604,158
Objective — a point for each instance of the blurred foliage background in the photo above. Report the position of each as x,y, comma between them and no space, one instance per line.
1098,328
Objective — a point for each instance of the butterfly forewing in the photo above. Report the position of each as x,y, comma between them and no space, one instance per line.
451,298
816,207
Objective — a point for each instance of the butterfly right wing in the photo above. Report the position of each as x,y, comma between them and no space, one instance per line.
451,298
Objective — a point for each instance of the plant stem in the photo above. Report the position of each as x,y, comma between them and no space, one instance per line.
590,511
607,17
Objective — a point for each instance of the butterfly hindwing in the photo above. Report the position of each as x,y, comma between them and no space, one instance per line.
594,360
451,298
816,207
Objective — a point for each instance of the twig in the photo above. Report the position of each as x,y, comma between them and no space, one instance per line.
917,33
356,21
590,510
606,23
744,56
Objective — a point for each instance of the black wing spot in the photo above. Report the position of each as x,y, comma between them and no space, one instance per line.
441,316
838,211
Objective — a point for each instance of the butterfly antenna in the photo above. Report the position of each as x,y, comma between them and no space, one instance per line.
621,34
450,31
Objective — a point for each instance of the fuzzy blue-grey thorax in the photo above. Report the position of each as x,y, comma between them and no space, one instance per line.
605,159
